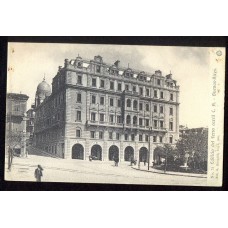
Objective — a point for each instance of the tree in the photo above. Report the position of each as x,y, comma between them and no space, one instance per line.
195,144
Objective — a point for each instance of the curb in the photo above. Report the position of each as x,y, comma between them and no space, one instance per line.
167,173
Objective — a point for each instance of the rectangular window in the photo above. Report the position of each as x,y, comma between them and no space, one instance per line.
117,136
146,138
110,135
161,124
111,118
98,69
160,139
170,111
119,103
100,134
161,95
101,117
132,137
148,92
140,138
92,134
134,88
119,87
161,109
147,122
112,85
140,106
78,133
101,100
155,108
79,98
94,82
126,137
118,119
102,83
93,99
147,108
78,118
155,123
140,121
127,87
158,82
171,126
111,102
93,116
155,94
79,79
171,139
171,96
140,91
154,139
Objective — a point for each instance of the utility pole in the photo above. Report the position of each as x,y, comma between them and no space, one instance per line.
150,129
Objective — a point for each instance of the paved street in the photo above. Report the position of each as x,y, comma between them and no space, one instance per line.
60,170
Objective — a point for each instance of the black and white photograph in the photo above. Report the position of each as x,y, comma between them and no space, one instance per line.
114,114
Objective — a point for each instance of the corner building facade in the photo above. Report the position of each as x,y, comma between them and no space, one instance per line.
106,110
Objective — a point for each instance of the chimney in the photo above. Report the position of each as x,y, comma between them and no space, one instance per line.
117,63
66,62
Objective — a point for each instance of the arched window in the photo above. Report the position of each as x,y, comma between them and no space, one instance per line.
135,120
128,119
128,103
135,105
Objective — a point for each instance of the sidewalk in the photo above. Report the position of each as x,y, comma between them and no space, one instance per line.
152,170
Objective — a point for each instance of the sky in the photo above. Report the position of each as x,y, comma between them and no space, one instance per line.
29,62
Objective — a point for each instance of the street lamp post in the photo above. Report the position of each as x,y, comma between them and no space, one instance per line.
150,129
166,152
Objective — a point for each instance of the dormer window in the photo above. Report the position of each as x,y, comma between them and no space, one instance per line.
79,65
98,69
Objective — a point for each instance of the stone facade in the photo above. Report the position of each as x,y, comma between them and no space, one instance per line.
16,106
106,110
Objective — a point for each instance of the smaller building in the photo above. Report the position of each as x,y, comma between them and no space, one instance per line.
16,106
184,130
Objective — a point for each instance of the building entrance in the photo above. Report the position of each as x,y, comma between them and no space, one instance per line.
143,154
128,153
113,152
78,152
96,152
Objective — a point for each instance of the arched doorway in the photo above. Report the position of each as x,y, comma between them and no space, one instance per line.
113,152
128,153
78,152
96,152
143,154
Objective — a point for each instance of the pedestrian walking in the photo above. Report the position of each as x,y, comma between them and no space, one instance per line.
132,160
144,161
38,173
116,160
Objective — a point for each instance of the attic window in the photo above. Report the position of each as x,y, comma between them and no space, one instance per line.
79,64
98,69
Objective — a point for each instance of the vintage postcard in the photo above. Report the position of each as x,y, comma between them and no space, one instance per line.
119,114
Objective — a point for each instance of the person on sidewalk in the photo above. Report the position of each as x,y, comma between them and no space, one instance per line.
144,160
116,160
38,173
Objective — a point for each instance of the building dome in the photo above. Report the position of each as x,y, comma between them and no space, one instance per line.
43,89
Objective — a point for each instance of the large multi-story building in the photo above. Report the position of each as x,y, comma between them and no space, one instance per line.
16,106
106,110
